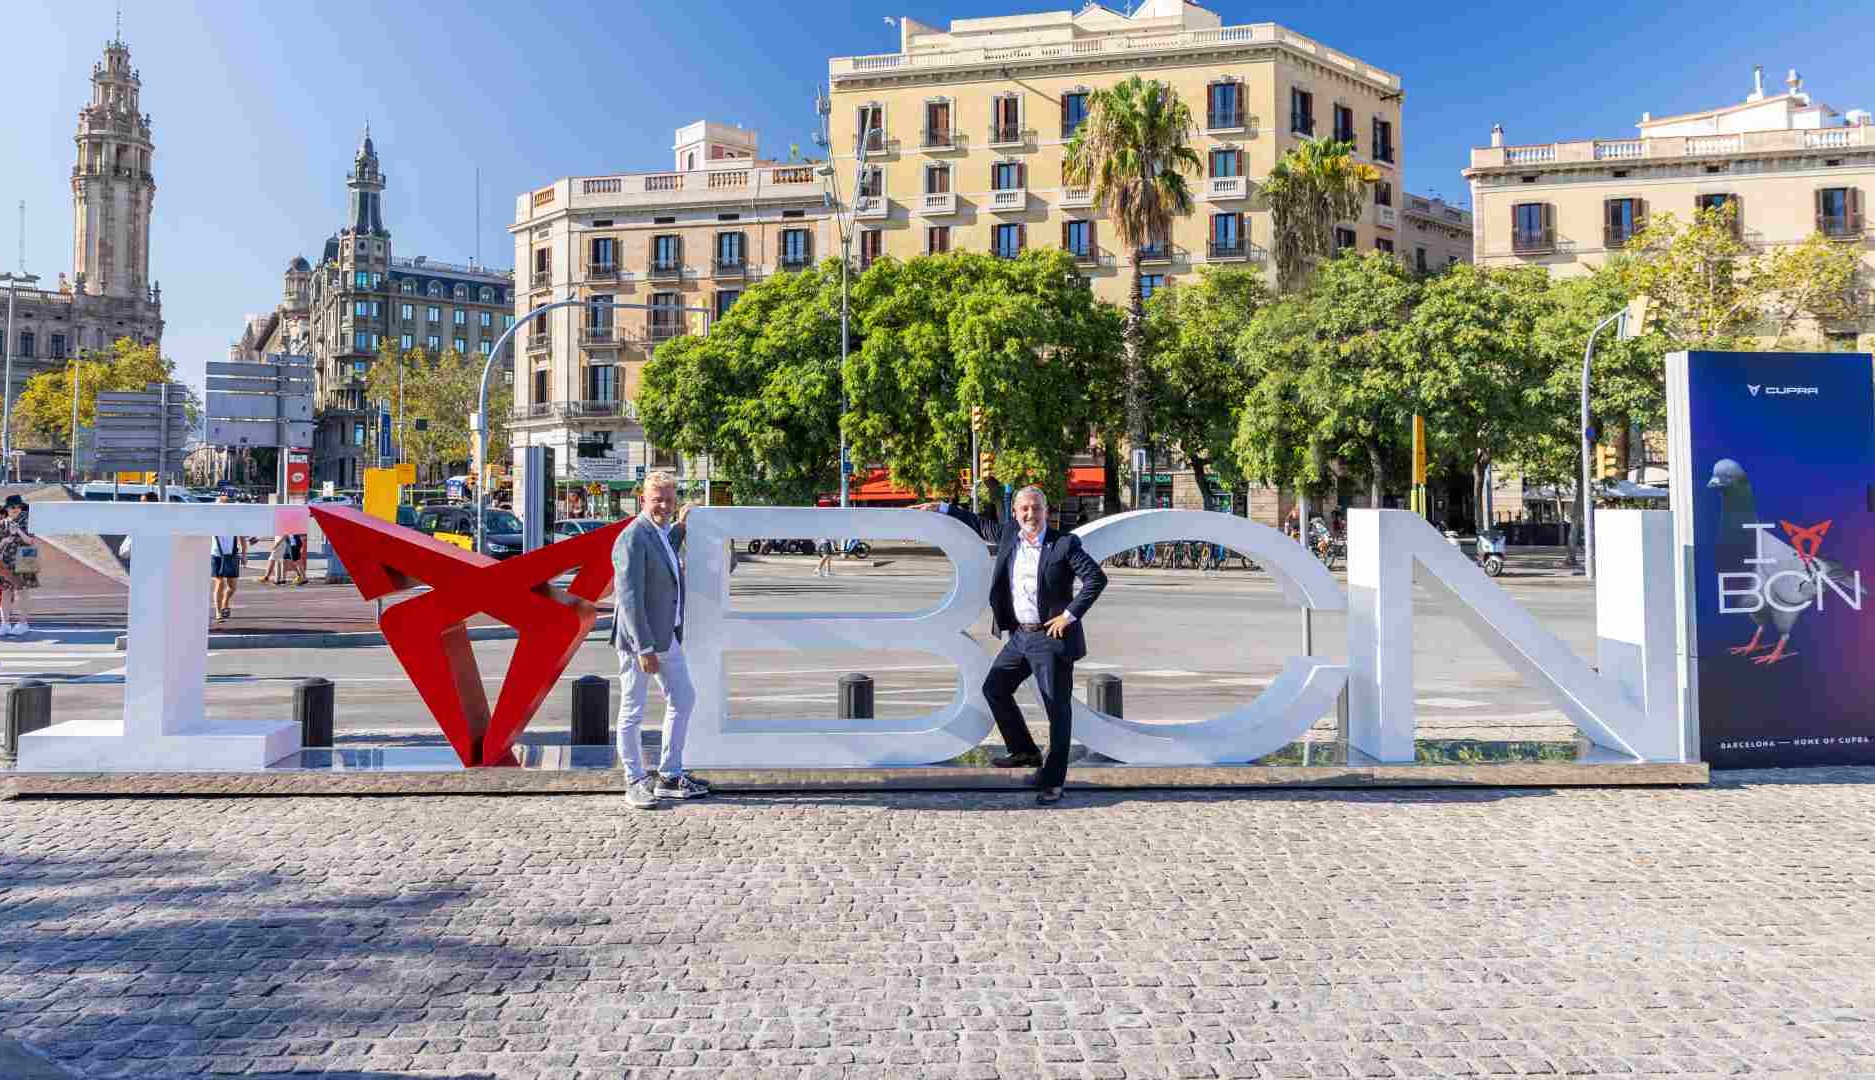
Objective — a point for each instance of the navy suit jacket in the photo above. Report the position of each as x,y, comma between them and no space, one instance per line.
1063,562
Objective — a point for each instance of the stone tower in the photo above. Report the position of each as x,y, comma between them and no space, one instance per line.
366,183
113,189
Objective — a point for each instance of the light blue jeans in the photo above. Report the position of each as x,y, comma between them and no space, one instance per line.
680,696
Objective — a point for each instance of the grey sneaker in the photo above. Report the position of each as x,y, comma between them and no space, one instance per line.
682,787
642,793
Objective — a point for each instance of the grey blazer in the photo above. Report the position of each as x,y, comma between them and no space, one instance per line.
644,605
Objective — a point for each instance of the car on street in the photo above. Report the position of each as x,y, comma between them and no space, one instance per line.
571,527
501,530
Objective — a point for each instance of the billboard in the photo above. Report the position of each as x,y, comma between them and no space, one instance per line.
1773,462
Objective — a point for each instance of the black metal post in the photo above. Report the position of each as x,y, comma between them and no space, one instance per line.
312,710
1104,695
592,711
856,697
29,708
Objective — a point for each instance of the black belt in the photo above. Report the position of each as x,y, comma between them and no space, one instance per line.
1031,627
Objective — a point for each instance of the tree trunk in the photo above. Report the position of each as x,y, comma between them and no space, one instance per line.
1133,341
1202,479
1479,463
1302,513
1376,473
1623,445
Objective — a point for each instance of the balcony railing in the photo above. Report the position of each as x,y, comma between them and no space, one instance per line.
602,272
729,268
1073,196
938,202
597,335
1589,151
1226,187
539,343
542,279
666,268
1529,243
1086,254
1226,249
796,262
1155,253
877,142
661,332
941,140
595,407
1010,199
870,206
1226,120
534,411
1010,135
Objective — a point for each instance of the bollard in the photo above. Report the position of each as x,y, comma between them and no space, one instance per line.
312,711
592,711
856,697
29,708
1103,695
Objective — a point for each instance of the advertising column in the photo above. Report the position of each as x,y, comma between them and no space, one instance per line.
1773,466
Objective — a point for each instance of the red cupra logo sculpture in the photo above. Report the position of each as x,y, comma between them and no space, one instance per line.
429,632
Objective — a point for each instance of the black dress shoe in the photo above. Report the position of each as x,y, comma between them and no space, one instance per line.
1017,761
1048,796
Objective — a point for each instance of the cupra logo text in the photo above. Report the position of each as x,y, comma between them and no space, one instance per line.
1770,391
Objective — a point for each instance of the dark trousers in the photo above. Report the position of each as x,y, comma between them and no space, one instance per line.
1026,654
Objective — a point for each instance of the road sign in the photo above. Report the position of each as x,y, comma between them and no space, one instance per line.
257,433
298,474
258,406
384,432
406,473
260,371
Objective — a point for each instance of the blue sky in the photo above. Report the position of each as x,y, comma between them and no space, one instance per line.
257,107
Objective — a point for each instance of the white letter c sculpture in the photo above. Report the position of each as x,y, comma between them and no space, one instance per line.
1304,690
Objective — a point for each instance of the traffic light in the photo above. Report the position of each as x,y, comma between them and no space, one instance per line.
976,418
1607,467
986,464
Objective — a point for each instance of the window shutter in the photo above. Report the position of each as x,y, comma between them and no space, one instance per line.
1821,221
1064,113
1853,197
1064,235
1549,224
1237,159
1243,230
742,246
1738,217
1640,214
1093,236
1376,135
1022,175
1022,237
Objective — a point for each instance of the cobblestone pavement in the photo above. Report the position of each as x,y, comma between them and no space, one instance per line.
1124,934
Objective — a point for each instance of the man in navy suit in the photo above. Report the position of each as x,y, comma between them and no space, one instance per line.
1035,600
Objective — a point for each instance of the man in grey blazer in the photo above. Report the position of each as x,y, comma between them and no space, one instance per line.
647,630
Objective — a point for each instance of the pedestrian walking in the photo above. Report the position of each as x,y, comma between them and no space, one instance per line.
225,571
648,631
19,567
825,550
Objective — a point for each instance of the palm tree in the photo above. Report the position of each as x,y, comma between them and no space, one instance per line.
1313,186
1133,150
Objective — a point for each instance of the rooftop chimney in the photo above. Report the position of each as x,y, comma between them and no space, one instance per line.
1497,134
1794,81
1757,83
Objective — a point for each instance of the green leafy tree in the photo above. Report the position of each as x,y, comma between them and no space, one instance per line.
1814,281
1275,442
1134,152
43,410
443,388
1695,279
1476,372
1313,186
1022,340
1195,383
761,393
1355,385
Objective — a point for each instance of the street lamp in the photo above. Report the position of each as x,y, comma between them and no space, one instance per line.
1620,318
13,283
845,223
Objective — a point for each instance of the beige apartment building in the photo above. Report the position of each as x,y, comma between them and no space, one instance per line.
680,245
1789,163
1433,235
967,128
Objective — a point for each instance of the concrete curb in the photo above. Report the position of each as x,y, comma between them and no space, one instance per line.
347,640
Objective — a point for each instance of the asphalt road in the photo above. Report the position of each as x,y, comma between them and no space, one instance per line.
1188,645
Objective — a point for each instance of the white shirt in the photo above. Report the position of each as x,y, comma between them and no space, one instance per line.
664,537
1025,578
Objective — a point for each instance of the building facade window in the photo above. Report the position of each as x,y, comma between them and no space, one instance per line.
507,322
729,249
1223,105
540,387
1149,284
1839,212
487,319
667,252
434,342
1533,227
461,345
435,313
361,308
1344,124
1381,243
435,289
604,254
1344,240
408,312
1383,193
358,432
602,383
937,239
361,341
407,342
1301,112
361,279
1073,112
459,317
1419,259
461,292
486,346
1005,118
1226,236
937,179
1226,163
871,245
1383,140
667,316
57,347
1006,176
797,248
937,125
1621,219
407,286
1077,238
870,123
724,300
27,343
871,182
1008,240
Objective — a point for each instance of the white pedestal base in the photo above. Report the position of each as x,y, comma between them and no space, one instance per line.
99,746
